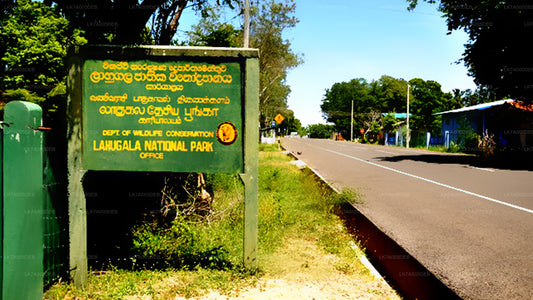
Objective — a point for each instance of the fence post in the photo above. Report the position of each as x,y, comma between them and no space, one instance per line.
447,139
428,139
22,201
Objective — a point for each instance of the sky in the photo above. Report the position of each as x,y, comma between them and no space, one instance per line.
345,39
340,40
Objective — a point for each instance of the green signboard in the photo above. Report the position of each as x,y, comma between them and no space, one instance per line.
162,115
161,108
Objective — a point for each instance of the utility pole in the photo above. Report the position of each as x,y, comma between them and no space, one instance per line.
246,23
408,134
351,124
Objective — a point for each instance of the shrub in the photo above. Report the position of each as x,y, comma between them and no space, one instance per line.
174,247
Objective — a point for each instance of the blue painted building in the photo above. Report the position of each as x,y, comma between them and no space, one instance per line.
508,122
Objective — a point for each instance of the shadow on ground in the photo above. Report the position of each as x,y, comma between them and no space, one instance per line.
514,161
401,270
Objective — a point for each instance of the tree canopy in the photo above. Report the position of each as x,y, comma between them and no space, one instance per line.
125,22
497,53
389,95
269,20
34,38
33,43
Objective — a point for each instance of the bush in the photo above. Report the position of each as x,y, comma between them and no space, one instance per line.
320,131
174,247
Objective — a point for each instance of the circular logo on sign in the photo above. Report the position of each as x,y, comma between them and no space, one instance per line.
226,133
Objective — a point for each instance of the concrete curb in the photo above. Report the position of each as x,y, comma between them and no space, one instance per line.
364,260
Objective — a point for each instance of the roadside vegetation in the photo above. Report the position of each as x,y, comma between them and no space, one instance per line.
299,233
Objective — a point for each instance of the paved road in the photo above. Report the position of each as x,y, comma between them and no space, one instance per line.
470,225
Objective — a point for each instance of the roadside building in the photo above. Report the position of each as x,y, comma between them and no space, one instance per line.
509,123
397,135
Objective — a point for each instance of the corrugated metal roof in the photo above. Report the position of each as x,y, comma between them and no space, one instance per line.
481,106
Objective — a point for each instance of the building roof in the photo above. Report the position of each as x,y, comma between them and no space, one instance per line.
397,115
481,106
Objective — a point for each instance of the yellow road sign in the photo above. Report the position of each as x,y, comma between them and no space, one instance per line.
279,118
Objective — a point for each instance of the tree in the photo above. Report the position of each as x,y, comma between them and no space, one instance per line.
320,131
480,95
372,126
268,22
496,54
276,58
124,22
212,32
337,102
166,19
389,123
427,99
385,95
290,123
33,42
216,35
391,93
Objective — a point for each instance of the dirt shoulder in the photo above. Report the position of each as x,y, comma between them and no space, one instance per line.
301,270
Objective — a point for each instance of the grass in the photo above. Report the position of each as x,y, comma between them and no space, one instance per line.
298,232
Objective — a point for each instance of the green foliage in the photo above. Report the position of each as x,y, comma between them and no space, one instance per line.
494,54
213,33
269,147
467,141
480,95
175,247
223,35
33,43
21,95
454,148
372,133
387,94
334,201
427,99
389,123
391,94
268,22
320,131
165,22
203,241
290,123
337,102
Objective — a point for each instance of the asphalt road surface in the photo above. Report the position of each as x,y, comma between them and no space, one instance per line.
471,225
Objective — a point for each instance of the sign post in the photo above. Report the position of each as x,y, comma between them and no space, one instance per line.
163,109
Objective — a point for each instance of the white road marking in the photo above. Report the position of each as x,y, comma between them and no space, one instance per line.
432,181
482,169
